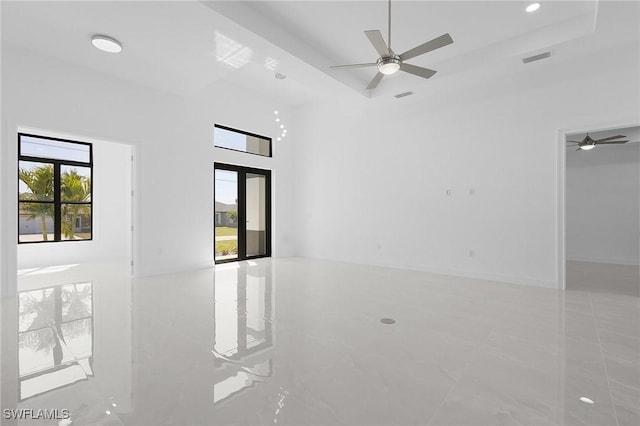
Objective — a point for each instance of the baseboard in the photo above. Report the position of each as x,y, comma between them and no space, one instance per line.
627,262
508,279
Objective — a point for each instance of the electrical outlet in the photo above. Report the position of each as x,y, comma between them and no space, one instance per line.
448,192
472,253
472,191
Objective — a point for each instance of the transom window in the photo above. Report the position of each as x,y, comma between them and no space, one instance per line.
54,189
238,140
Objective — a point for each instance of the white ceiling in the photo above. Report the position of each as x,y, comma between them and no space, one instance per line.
325,33
183,46
178,47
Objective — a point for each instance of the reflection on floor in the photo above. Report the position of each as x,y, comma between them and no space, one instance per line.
55,334
603,278
298,341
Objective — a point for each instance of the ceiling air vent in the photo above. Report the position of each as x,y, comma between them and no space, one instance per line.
536,57
402,95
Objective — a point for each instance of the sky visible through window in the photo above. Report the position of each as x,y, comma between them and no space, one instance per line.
227,139
45,148
34,146
226,186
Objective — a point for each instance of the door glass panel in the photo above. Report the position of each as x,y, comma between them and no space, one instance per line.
226,215
256,196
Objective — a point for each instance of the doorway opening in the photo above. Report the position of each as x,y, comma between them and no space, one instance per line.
602,211
242,213
75,208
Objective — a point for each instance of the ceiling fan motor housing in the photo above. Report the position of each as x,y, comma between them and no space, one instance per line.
389,64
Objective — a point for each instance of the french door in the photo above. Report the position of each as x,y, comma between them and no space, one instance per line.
242,213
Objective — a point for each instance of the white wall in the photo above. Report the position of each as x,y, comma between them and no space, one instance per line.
172,139
111,215
371,179
603,204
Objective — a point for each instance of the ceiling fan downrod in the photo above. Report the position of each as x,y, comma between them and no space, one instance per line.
389,27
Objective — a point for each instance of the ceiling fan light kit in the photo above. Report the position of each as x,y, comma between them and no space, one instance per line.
389,62
389,65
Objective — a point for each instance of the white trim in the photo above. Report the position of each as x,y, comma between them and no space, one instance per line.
628,262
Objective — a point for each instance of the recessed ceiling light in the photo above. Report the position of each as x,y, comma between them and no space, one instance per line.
277,119
278,139
106,44
282,126
586,400
533,7
275,112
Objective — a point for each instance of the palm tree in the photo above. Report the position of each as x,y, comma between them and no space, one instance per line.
40,183
77,188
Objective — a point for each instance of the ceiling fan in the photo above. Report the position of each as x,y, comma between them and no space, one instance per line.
589,143
389,62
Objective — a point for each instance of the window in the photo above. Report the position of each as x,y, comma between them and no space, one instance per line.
237,140
54,189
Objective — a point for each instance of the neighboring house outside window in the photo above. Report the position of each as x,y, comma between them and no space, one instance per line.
54,189
226,215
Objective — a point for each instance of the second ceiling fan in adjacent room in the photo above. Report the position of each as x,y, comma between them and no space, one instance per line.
589,143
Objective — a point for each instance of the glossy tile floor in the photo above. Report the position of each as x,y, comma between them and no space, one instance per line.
300,342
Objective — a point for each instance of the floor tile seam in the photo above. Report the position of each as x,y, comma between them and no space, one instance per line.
604,363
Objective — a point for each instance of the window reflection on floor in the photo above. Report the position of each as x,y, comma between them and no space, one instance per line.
243,329
55,337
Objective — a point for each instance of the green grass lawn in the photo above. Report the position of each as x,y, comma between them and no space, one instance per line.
227,247
225,231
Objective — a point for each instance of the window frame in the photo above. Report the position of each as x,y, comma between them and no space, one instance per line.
243,132
57,201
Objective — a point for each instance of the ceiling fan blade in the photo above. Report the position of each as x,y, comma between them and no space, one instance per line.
376,80
419,71
574,144
346,67
375,37
610,137
610,142
574,141
434,44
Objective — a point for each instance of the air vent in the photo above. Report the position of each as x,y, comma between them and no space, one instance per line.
536,57
402,95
